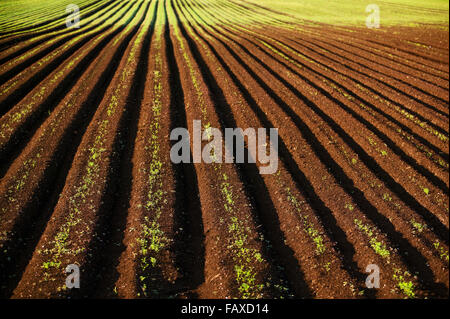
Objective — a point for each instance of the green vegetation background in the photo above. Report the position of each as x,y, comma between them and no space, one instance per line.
393,12
343,12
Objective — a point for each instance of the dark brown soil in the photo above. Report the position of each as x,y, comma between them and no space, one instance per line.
86,175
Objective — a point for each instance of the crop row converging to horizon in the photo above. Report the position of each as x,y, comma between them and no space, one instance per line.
224,149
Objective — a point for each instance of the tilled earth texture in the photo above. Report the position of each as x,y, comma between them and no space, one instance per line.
87,179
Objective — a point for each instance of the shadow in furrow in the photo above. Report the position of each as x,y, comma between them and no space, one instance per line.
112,213
189,243
115,228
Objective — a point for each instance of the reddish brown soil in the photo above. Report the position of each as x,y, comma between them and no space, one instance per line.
362,117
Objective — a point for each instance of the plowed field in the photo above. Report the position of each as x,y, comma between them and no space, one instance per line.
87,179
